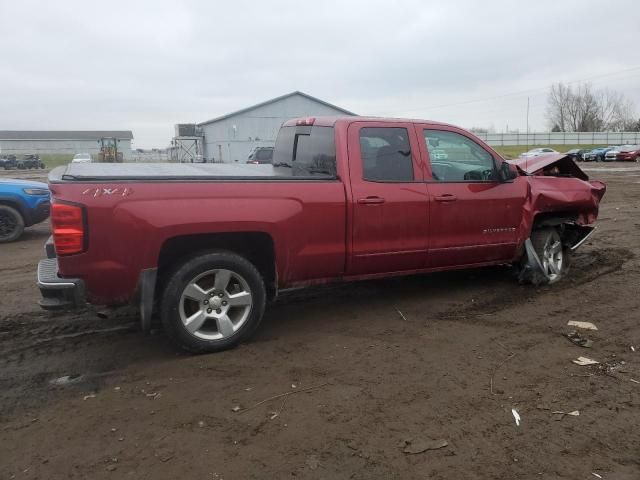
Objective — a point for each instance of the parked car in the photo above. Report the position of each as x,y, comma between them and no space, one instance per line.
612,154
346,198
536,152
9,162
81,158
29,161
597,154
577,154
22,204
629,153
261,155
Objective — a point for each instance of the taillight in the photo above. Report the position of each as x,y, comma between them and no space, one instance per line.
67,222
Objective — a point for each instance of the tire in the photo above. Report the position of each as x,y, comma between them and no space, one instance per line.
552,255
11,224
196,308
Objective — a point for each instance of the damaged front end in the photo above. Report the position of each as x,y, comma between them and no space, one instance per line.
562,199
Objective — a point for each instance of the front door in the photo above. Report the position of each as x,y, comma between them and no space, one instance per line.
390,214
474,217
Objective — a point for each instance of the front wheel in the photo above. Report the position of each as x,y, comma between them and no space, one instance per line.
553,258
11,224
213,302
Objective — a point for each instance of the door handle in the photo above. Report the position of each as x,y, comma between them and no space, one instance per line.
447,197
373,200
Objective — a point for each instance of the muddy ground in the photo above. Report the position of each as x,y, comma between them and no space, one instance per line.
361,378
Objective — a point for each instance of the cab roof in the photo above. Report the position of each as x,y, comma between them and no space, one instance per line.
330,121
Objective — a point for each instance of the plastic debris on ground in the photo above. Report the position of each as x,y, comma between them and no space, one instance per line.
575,413
516,416
584,361
583,325
577,339
413,446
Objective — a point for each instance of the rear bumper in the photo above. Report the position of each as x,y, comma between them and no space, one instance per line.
58,293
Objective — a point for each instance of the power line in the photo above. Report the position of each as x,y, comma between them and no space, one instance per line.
521,92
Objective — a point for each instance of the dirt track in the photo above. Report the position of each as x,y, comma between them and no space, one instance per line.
474,346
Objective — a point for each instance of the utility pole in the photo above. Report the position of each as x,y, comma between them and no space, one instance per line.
527,123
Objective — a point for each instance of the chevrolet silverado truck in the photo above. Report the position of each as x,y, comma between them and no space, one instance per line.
205,247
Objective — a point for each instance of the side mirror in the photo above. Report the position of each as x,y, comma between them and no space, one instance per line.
507,172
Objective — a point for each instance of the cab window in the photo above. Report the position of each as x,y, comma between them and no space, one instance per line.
386,154
456,158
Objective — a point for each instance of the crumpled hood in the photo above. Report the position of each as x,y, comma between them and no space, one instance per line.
565,163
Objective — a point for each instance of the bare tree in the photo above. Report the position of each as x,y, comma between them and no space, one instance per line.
557,106
584,110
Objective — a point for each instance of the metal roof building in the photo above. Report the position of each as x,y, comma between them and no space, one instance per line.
47,142
231,137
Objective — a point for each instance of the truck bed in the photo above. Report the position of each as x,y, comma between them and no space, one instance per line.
99,172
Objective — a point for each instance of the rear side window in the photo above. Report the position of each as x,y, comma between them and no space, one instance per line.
386,154
305,151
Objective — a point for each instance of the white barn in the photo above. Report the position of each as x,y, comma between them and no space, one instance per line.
68,142
231,137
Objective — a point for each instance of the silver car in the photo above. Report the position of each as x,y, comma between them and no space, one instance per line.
81,158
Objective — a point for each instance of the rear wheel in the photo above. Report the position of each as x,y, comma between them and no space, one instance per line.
551,253
11,224
213,302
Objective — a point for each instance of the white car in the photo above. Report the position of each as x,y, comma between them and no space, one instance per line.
536,152
81,158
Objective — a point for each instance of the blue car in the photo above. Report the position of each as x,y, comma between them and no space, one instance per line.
597,154
22,203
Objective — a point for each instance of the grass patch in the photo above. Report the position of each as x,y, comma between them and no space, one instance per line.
52,160
513,151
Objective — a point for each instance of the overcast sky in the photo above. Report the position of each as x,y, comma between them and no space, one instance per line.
146,65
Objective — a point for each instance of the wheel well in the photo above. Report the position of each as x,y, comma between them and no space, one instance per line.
553,219
15,205
256,247
570,232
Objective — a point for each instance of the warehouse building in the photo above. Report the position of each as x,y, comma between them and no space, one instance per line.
231,137
21,142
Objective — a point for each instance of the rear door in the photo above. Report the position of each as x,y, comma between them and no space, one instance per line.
474,217
390,216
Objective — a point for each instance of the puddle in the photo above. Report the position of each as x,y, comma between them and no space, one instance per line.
66,380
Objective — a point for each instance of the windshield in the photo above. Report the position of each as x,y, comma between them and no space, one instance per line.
82,155
265,154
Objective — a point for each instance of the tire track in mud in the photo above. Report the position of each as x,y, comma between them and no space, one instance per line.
585,268
25,336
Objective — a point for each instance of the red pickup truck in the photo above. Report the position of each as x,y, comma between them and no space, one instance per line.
204,247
